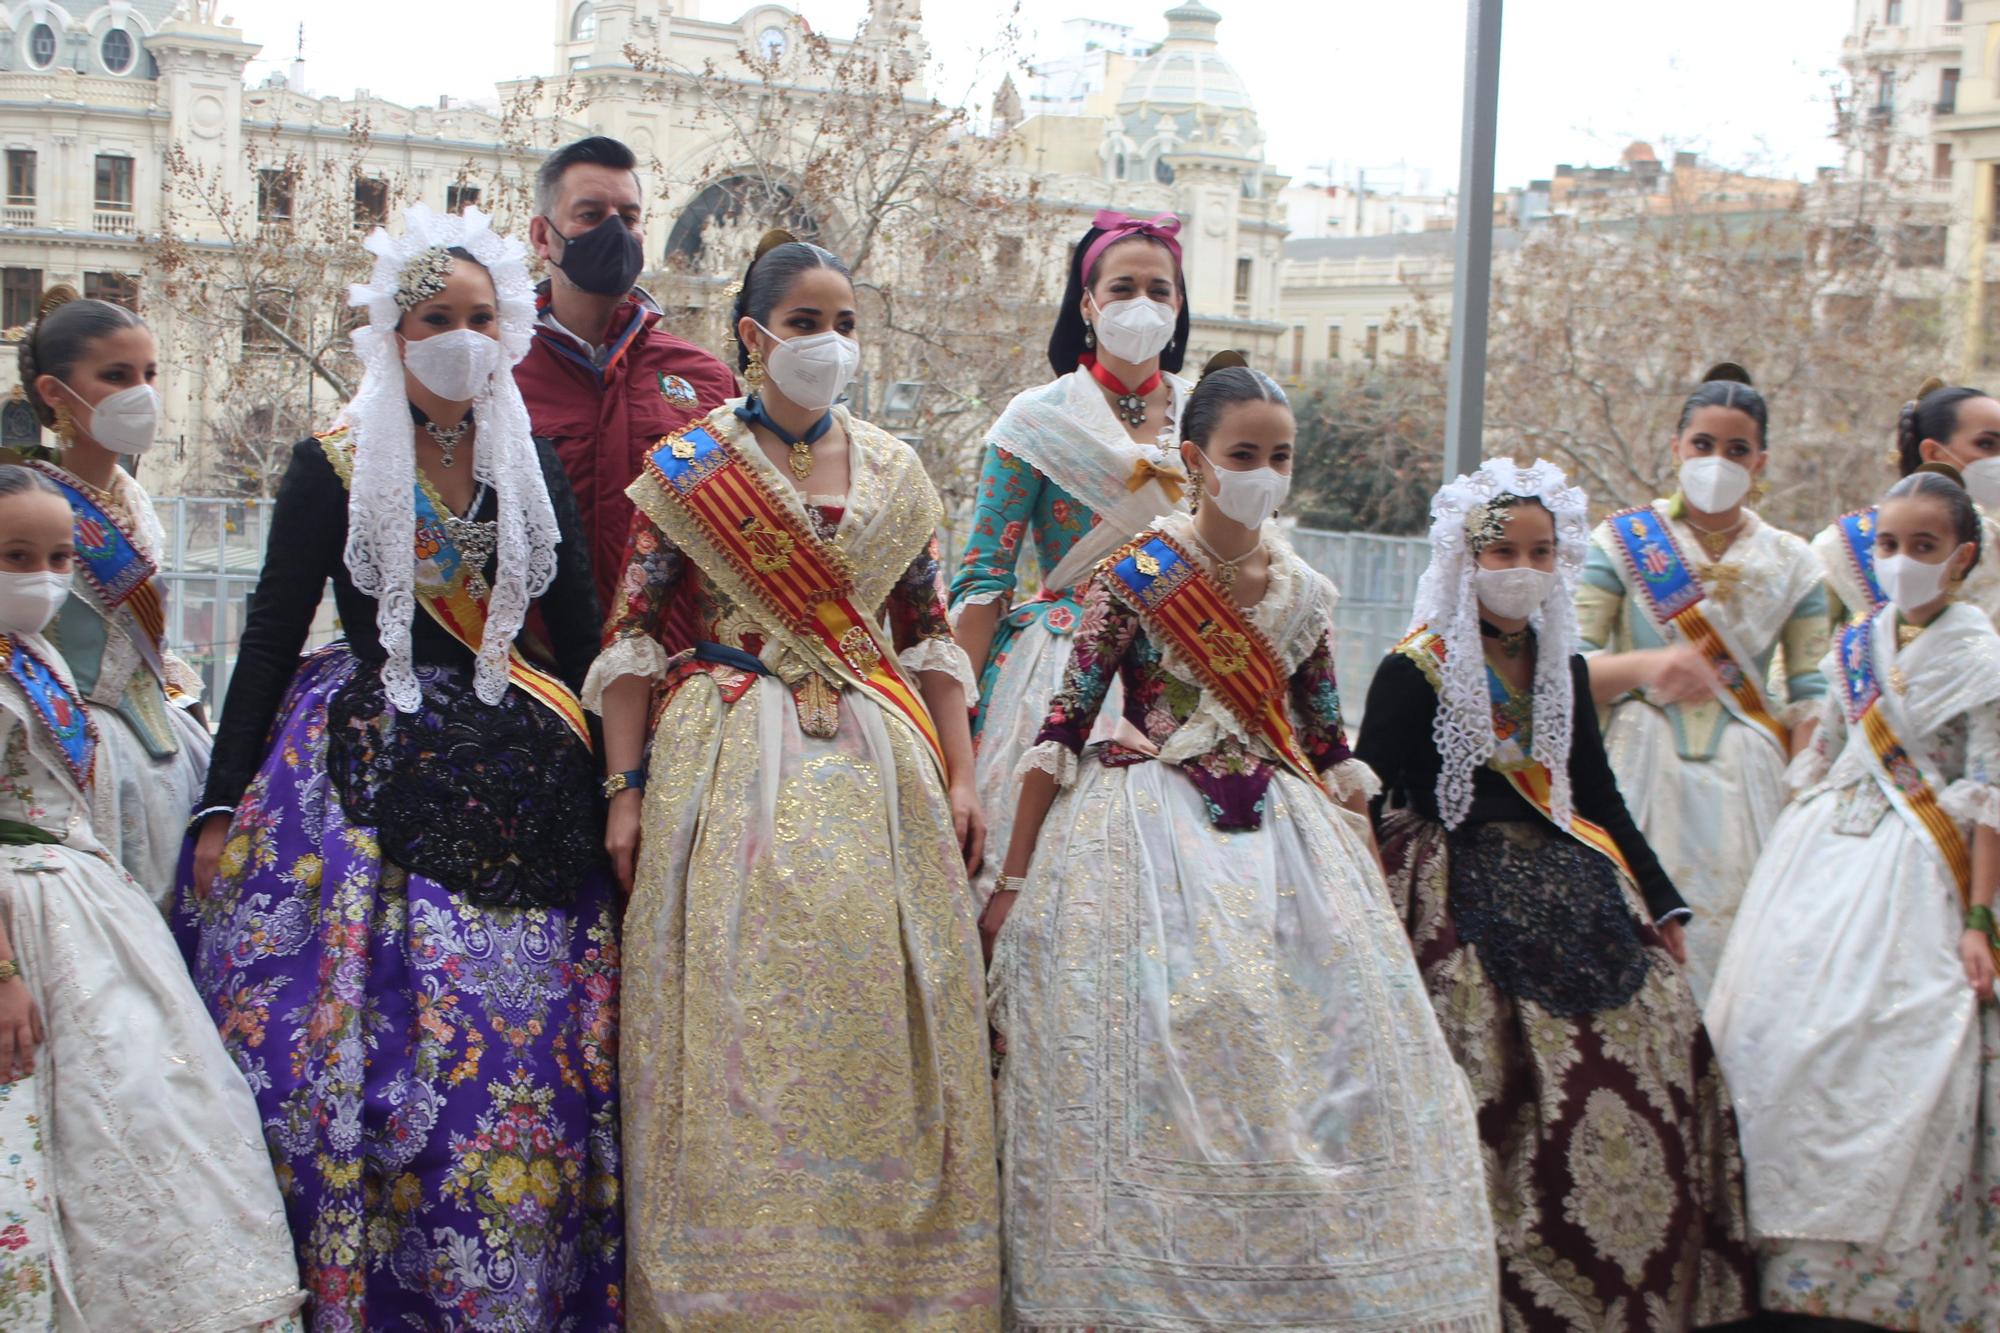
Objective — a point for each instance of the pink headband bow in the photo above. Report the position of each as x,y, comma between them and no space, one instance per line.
1117,227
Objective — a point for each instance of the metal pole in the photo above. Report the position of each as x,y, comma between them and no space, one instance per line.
1471,282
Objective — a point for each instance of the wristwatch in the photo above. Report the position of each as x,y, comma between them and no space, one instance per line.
632,779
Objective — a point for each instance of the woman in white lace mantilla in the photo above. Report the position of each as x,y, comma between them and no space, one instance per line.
87,369
1220,1063
135,1192
1548,935
1853,1006
808,1119
1684,604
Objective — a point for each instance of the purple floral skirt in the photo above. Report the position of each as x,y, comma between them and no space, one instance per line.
437,1079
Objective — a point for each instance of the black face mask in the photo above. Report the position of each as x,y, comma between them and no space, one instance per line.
603,261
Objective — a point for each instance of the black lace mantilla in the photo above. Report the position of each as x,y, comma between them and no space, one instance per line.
493,801
1548,916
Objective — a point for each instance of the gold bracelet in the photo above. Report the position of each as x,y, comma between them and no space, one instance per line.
9,971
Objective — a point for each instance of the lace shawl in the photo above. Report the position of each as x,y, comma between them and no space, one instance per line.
1448,606
381,520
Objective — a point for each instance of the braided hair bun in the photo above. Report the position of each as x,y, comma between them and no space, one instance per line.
1931,415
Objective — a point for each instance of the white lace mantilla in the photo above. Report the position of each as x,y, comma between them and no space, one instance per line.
381,522
1448,607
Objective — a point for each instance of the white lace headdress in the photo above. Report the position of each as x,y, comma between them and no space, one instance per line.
381,517
1461,513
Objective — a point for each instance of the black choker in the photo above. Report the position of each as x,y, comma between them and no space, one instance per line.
447,437
1512,642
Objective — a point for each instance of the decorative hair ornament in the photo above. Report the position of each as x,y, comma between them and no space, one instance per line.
423,277
1488,523
381,517
1115,227
1448,606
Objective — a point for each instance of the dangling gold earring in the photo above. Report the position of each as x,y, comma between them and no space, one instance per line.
1089,338
65,427
1195,490
753,375
1761,489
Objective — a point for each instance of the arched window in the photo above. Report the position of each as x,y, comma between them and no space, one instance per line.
41,46
1120,167
1163,171
583,23
117,51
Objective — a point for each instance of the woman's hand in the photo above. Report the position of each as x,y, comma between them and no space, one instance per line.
1975,951
208,845
1674,935
20,1030
994,917
621,836
968,821
1683,675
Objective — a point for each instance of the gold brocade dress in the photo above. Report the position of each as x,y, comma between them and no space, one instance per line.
808,1127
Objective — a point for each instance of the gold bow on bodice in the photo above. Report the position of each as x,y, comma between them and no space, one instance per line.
1172,480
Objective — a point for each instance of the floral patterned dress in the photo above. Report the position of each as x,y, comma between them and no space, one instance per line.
1059,473
1226,1102
808,1117
429,1025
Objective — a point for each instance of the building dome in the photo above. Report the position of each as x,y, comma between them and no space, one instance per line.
1188,70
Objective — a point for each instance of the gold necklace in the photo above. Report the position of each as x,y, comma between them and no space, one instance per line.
1225,570
801,460
1714,542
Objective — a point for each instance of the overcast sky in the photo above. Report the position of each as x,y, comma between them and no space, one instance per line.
1367,83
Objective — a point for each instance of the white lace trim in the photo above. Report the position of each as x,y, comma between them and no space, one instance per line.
1973,802
1051,757
984,598
1797,711
633,655
1447,606
184,678
942,655
1351,778
381,522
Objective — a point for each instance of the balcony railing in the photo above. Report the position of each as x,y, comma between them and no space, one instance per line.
17,215
114,220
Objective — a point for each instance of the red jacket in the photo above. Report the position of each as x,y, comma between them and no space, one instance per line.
604,422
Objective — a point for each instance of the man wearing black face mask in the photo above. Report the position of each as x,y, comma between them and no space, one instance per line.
603,380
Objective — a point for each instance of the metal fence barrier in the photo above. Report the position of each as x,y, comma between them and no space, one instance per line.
216,547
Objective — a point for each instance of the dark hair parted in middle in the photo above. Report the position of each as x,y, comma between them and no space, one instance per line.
58,340
1226,381
1942,482
778,263
18,480
1066,342
1931,415
1728,385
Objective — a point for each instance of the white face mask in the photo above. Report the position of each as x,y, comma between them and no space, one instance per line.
1513,594
28,602
125,422
1714,485
1910,583
1135,330
1249,497
456,365
1982,482
815,370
